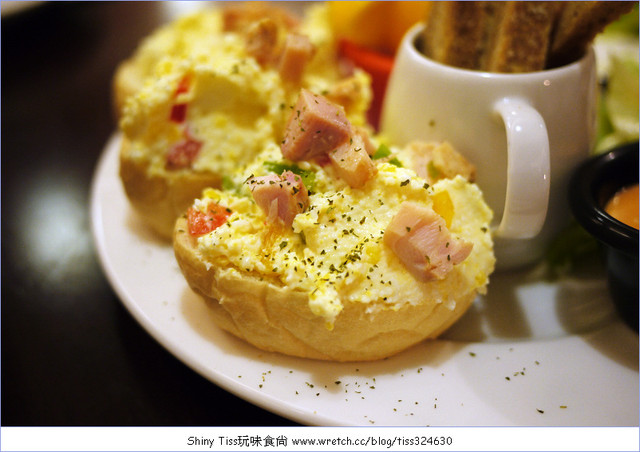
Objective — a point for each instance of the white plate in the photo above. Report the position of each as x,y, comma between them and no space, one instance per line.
530,353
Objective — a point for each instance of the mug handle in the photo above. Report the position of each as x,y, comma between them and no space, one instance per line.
528,170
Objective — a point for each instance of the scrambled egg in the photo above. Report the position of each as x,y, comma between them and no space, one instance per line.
234,106
334,250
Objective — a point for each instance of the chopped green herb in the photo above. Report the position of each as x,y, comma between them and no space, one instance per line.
382,152
308,177
228,184
433,171
396,162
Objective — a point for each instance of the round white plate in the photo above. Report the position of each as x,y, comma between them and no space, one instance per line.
529,353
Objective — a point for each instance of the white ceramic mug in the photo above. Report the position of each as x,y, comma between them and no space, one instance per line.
524,132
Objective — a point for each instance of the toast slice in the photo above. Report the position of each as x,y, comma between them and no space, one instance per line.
514,36
490,35
454,33
520,37
578,24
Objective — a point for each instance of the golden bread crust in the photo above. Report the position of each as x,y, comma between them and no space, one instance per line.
160,199
127,80
275,318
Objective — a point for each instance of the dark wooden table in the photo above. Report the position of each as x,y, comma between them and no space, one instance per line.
71,353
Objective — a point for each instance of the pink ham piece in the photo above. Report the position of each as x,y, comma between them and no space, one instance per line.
352,162
364,135
315,127
298,51
262,41
422,242
281,198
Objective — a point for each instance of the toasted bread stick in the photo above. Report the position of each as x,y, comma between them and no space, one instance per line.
454,33
515,36
578,24
520,38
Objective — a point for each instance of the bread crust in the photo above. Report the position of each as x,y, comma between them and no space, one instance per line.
127,80
276,318
160,199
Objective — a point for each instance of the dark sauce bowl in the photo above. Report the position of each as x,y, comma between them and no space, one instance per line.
591,186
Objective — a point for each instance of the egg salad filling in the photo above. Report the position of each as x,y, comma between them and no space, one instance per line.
334,250
207,102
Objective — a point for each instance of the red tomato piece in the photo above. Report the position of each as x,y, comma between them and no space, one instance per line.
182,154
178,113
184,84
204,222
179,110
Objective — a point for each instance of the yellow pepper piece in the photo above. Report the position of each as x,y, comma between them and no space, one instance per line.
443,206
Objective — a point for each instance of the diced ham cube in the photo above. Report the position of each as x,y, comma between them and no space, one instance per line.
239,16
352,162
315,127
422,242
435,161
364,135
262,41
281,198
348,92
298,51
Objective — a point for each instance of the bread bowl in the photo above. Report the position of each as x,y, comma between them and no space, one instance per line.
329,283
198,99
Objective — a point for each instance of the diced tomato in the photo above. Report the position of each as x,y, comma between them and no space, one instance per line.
204,222
178,113
179,110
183,153
184,84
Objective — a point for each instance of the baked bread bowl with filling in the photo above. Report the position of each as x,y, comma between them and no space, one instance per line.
330,245
204,94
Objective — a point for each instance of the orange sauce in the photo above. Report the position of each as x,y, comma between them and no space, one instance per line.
624,206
